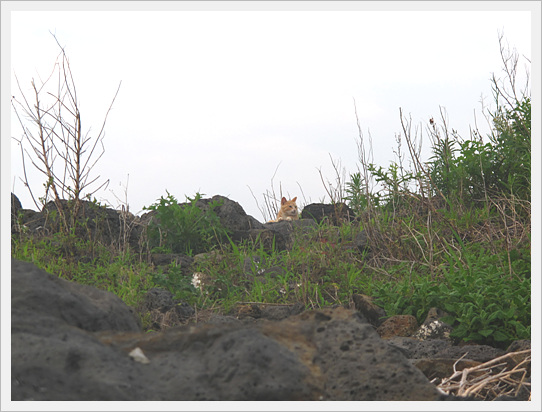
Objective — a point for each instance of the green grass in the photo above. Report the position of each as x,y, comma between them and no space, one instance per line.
122,274
486,294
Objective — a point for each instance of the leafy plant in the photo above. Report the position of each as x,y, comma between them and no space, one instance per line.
356,193
184,228
484,303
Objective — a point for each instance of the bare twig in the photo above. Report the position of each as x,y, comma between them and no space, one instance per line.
489,379
52,128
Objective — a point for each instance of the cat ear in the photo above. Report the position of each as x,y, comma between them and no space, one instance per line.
283,201
294,199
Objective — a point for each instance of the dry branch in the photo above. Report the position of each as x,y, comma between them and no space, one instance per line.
53,130
490,379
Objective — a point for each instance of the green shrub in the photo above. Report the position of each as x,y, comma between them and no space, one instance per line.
356,197
512,145
184,228
470,170
485,304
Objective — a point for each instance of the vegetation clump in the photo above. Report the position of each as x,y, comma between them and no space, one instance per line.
184,228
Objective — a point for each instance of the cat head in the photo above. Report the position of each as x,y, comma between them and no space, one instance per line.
289,207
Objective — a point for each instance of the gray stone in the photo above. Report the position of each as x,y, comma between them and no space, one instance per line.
71,342
443,349
361,241
231,214
334,213
415,349
289,230
372,312
480,353
15,205
519,345
181,261
37,294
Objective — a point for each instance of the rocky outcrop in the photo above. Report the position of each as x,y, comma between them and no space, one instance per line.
288,230
429,347
335,213
73,342
120,228
231,214
104,225
398,325
40,300
366,306
164,310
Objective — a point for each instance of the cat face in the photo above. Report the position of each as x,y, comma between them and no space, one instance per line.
288,207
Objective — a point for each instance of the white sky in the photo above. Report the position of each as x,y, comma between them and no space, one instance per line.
214,101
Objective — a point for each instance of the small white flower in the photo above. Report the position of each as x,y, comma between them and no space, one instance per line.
197,280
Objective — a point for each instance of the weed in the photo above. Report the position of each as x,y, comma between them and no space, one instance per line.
184,228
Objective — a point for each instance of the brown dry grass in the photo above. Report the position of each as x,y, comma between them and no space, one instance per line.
502,376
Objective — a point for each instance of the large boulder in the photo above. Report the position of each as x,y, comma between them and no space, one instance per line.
231,214
289,230
24,220
39,299
94,222
15,205
335,213
100,223
72,342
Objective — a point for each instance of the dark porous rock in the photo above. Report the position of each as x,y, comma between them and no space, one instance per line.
480,353
398,325
106,225
93,222
334,213
358,365
289,230
436,358
280,312
361,241
183,310
443,349
54,355
54,300
444,397
329,354
231,214
15,204
159,299
519,345
71,342
415,349
25,220
266,311
165,311
269,239
183,262
442,368
365,305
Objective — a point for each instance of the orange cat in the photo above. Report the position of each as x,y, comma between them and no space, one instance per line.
288,210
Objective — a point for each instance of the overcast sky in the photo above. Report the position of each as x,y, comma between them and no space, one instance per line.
215,101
